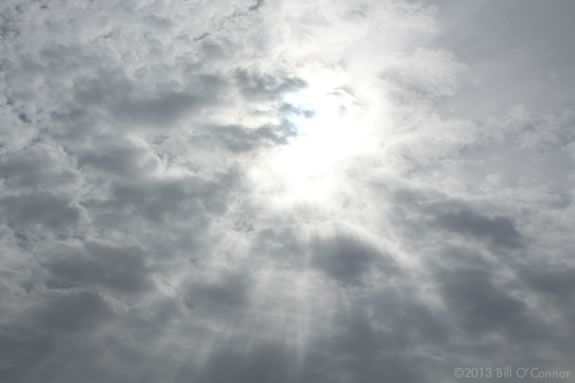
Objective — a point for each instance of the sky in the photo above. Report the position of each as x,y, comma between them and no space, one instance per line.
277,191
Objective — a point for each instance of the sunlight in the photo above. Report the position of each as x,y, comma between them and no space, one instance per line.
331,127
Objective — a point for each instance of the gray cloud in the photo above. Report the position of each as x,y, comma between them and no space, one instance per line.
499,230
43,209
161,110
345,259
41,166
261,86
39,332
162,218
119,269
480,305
238,139
231,291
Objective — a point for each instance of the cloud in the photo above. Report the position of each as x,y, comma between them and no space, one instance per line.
163,218
119,269
42,165
38,332
345,259
499,230
254,85
40,209
238,139
165,108
231,291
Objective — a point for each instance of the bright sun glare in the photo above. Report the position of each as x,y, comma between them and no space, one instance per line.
331,127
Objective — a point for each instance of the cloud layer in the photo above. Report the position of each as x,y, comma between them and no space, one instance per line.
178,202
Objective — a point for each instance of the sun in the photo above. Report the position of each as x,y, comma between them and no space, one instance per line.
324,136
331,126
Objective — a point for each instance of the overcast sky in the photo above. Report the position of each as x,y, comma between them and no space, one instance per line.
286,191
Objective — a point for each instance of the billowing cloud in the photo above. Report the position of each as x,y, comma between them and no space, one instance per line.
285,191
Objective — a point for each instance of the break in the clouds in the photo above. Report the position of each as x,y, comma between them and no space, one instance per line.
286,191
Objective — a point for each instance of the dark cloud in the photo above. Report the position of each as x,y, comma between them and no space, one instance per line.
499,230
129,101
119,157
554,285
231,290
39,166
37,334
54,213
258,4
159,199
21,350
264,86
238,139
161,110
77,311
263,363
554,282
344,258
483,307
123,270
422,212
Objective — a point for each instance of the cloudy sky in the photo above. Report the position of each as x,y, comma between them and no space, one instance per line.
196,191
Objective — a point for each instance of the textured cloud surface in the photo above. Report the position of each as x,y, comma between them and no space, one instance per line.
285,191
